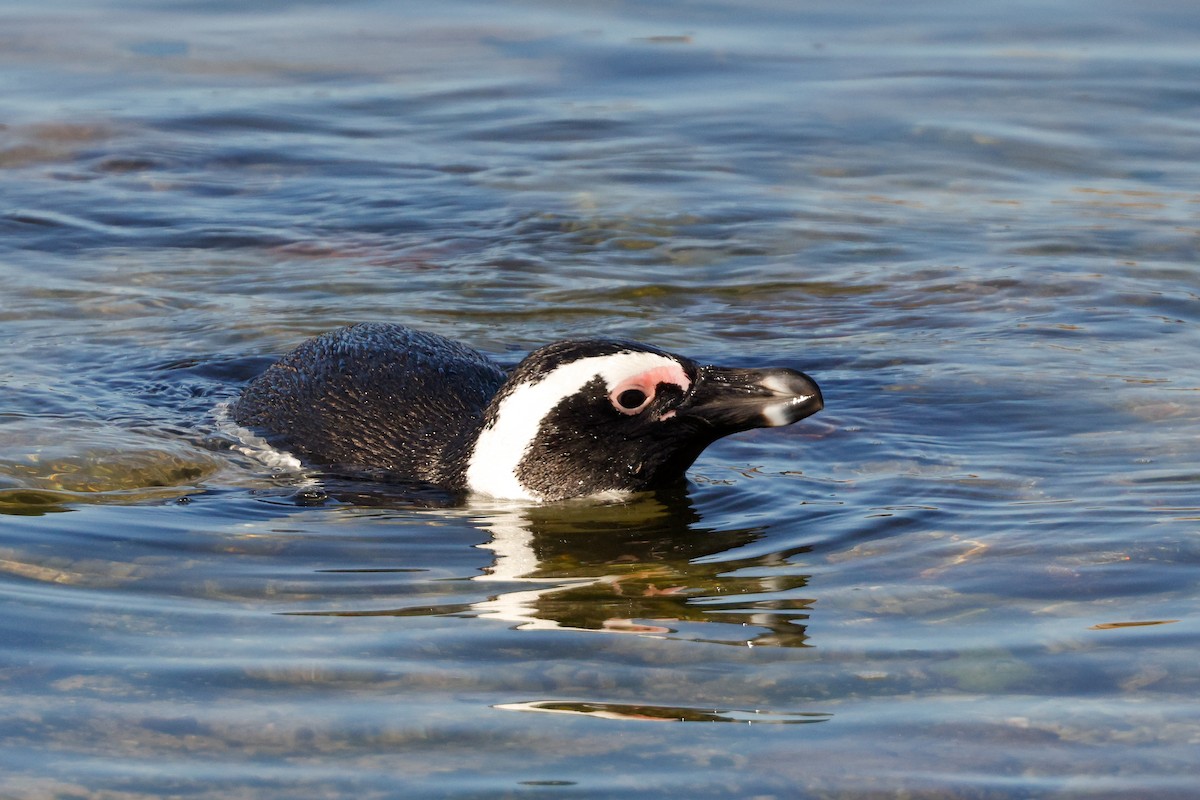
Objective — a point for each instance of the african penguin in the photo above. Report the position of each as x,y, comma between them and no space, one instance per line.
575,418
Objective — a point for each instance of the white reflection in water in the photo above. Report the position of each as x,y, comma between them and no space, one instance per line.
517,562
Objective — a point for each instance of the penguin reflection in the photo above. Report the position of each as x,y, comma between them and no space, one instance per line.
646,567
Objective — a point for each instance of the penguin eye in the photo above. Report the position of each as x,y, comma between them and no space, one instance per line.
637,392
631,399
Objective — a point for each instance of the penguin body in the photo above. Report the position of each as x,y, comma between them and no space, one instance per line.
575,418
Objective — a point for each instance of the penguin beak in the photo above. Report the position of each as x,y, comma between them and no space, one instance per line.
733,400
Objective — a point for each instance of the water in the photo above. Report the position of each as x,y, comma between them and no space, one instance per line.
974,575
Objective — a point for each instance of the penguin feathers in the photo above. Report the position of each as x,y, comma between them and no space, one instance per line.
550,432
575,418
375,397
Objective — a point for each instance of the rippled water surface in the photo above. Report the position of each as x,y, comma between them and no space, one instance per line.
974,575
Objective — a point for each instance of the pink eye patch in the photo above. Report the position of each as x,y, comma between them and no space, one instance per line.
633,394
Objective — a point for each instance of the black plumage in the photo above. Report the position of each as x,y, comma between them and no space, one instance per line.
376,397
574,418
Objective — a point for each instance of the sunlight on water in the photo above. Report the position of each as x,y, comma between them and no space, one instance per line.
976,568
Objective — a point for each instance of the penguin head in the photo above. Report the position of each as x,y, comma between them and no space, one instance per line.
580,418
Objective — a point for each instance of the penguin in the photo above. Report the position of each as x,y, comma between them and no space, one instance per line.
575,418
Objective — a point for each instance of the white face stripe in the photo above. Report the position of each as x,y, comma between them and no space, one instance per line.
492,469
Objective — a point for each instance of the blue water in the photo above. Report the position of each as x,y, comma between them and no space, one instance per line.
973,575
